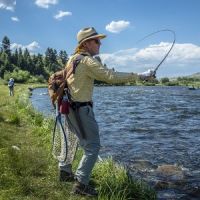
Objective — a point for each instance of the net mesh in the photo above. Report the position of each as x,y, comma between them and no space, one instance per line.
72,140
59,150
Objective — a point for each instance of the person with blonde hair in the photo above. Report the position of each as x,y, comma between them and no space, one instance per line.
81,84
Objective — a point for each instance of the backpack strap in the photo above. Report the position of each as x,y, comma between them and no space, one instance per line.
72,69
73,66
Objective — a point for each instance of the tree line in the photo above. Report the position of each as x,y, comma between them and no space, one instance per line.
24,66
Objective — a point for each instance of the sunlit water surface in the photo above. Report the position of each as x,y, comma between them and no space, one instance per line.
154,131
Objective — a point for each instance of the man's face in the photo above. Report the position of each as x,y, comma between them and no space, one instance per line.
93,46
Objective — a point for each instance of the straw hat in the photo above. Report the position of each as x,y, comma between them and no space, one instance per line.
87,34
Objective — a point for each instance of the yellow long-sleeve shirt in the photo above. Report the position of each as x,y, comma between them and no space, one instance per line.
81,83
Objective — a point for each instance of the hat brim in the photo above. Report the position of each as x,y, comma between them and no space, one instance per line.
99,36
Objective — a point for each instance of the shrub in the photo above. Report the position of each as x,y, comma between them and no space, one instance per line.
37,79
164,80
19,76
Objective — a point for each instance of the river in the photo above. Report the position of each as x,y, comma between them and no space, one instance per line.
154,131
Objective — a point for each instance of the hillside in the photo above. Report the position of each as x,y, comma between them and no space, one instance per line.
196,75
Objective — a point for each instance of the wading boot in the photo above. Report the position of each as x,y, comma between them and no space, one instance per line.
81,189
66,176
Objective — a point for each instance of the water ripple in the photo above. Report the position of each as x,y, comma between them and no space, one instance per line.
149,129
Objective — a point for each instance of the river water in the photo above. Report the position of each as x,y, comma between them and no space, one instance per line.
154,131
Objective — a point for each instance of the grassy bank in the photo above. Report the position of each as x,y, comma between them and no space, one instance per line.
27,169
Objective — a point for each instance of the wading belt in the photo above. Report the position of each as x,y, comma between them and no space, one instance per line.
75,106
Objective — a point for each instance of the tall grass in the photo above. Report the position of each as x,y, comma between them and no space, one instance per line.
115,183
27,169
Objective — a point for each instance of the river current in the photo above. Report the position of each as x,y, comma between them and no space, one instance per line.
154,131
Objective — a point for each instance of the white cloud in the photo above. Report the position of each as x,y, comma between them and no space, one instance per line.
45,3
117,26
31,47
8,4
184,59
62,14
15,19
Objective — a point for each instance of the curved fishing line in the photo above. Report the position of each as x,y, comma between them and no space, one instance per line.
171,47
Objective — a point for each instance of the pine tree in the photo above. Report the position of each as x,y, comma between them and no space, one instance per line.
63,58
34,64
6,45
39,65
5,63
28,66
20,60
14,57
51,62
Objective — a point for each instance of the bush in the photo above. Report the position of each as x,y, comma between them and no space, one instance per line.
164,80
19,76
37,79
172,83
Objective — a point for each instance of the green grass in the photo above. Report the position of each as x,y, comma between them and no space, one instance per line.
115,183
27,169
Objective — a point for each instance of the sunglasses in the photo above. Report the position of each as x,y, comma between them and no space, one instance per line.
96,41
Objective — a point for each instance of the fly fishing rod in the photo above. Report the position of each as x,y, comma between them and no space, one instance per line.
171,47
174,40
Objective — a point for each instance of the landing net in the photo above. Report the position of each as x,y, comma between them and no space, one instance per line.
72,140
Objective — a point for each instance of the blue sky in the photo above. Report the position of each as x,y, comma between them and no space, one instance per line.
38,24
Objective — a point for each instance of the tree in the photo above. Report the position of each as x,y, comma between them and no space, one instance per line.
6,45
51,62
164,80
20,59
5,65
3,60
39,65
36,65
63,58
27,60
14,57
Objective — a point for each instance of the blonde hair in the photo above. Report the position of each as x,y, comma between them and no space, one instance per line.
79,49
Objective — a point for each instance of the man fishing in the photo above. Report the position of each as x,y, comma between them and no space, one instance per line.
81,85
11,86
